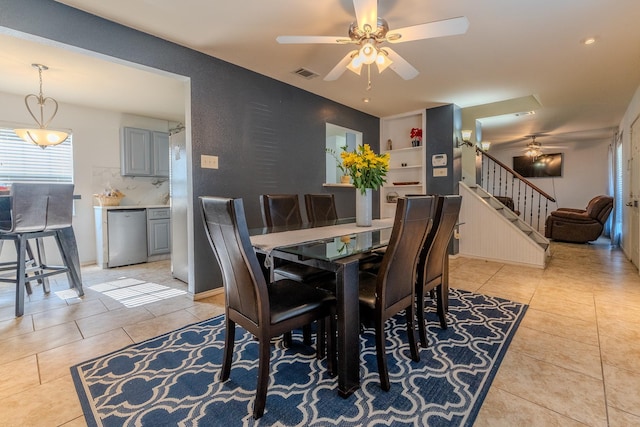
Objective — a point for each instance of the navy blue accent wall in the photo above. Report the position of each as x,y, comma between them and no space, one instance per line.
443,127
269,136
443,132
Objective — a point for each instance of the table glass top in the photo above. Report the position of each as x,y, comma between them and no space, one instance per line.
341,247
267,230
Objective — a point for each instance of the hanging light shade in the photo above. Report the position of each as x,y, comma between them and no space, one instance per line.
368,52
41,136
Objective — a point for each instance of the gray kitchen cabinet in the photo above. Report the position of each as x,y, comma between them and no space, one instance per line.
144,153
158,231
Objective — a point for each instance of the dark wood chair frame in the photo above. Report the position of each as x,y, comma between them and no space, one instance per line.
263,310
392,290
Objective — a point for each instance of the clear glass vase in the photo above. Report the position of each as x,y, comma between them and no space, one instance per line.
363,208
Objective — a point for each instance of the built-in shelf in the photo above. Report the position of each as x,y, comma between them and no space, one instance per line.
330,184
406,167
396,150
398,130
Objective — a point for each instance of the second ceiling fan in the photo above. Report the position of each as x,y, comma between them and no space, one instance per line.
369,33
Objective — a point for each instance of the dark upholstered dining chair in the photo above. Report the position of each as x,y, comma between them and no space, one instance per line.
391,289
264,310
320,207
433,262
280,210
38,211
284,210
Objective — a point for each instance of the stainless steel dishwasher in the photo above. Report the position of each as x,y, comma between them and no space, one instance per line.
127,236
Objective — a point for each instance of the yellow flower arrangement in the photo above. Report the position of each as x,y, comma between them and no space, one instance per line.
366,168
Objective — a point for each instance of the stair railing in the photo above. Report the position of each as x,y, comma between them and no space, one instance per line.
500,180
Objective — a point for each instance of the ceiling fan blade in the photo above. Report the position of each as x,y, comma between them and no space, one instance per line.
337,71
312,40
400,66
366,13
446,27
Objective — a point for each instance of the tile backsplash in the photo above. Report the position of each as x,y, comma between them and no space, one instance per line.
139,191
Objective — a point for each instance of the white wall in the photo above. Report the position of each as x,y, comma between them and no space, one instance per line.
632,113
96,163
584,175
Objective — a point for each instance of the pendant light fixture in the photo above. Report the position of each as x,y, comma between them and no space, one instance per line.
41,136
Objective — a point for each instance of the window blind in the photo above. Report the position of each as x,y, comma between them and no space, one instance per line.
21,161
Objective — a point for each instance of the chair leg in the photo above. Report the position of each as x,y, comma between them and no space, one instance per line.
381,355
306,334
411,333
422,330
323,326
21,251
287,339
68,247
229,341
263,377
332,353
42,262
440,306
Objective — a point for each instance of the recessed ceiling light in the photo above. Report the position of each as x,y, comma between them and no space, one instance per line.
366,100
589,40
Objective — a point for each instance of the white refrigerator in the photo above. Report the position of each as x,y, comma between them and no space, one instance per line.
179,202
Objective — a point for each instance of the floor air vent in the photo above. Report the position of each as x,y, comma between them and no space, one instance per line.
306,73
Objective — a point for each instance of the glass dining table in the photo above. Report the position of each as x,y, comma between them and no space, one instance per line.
336,246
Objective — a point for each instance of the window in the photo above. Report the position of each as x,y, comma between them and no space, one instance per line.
24,162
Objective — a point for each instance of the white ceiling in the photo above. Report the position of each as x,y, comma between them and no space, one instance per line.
513,50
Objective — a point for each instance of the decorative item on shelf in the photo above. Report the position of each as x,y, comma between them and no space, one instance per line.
416,137
345,178
368,171
43,136
389,144
392,197
109,197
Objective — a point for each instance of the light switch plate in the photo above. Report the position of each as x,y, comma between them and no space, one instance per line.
439,171
208,162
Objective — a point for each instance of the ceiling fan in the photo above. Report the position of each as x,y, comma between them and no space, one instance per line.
534,148
370,32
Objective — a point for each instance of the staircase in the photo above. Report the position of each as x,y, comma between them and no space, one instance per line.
489,230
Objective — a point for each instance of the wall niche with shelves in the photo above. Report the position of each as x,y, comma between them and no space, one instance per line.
406,161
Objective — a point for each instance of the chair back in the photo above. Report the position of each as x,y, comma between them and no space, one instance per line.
280,210
444,221
395,288
320,207
245,287
599,208
40,207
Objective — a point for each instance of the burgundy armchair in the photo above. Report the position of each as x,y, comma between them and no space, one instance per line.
579,225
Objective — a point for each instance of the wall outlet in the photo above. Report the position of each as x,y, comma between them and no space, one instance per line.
208,162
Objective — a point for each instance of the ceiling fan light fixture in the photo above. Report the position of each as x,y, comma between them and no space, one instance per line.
383,61
355,65
368,52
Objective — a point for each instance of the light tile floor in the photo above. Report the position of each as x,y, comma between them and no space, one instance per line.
574,361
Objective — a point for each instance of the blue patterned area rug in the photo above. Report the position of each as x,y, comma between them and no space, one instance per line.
173,379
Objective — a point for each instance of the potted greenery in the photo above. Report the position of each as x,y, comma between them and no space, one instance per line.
345,178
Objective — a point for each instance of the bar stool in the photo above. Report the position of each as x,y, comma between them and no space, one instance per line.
38,211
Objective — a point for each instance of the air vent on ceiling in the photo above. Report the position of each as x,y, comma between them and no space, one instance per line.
306,73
